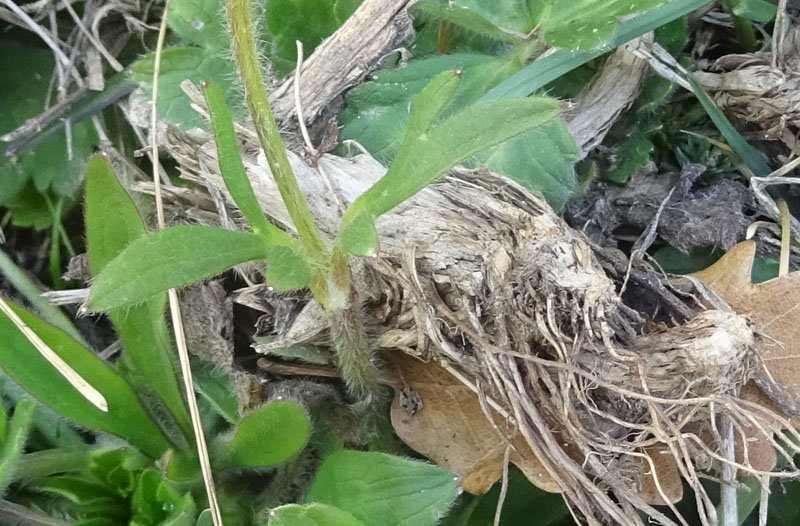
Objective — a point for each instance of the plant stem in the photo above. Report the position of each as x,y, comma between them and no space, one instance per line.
256,95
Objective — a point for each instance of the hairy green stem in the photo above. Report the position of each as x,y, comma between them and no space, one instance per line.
244,50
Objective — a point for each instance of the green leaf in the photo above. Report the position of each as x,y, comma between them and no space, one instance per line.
112,223
424,158
217,387
79,489
26,67
309,21
157,502
186,63
512,14
548,68
465,19
268,436
360,237
125,418
314,514
172,257
632,156
541,160
377,112
383,489
16,434
431,101
755,10
233,172
286,269
585,24
205,518
117,468
753,158
199,22
32,292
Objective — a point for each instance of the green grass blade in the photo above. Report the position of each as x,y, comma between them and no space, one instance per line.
545,70
173,257
112,223
125,417
232,168
751,157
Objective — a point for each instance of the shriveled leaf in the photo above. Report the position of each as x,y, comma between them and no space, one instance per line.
424,158
314,514
172,257
439,417
112,223
268,436
125,417
377,488
774,308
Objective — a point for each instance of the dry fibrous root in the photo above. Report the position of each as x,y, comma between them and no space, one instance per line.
480,274
759,91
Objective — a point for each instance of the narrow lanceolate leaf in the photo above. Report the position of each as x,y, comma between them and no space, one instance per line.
465,19
14,443
112,223
425,157
125,417
431,101
232,168
173,257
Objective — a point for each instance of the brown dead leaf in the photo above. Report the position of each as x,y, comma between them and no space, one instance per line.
437,416
669,477
774,308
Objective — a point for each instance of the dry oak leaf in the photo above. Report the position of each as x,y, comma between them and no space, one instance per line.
774,308
667,473
440,418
